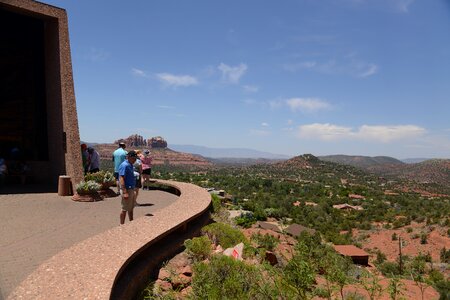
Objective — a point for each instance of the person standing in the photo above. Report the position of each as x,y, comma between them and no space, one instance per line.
84,157
127,183
118,158
146,169
94,160
137,166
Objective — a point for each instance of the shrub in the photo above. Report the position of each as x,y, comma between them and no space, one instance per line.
101,177
265,241
354,296
199,248
224,234
443,287
226,278
445,255
381,257
415,236
245,220
299,274
394,236
409,230
216,203
85,187
389,268
387,226
423,238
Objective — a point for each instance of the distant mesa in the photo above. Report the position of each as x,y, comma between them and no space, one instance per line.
136,140
161,154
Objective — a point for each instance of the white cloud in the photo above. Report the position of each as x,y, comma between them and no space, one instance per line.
387,134
259,132
177,80
379,133
307,104
138,72
165,106
232,74
250,88
325,131
348,65
368,70
264,124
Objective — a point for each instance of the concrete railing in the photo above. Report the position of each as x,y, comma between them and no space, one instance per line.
118,263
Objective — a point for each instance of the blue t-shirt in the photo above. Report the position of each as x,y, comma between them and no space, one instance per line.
126,170
118,158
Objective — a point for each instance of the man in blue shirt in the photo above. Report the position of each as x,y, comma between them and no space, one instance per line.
127,184
118,158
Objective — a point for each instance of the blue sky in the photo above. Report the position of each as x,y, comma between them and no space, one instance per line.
360,77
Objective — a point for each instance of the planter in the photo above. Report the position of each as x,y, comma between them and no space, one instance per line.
107,193
87,197
106,185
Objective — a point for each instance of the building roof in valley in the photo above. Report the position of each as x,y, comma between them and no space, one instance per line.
350,250
269,226
296,229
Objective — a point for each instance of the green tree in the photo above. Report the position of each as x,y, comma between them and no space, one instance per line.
395,288
335,271
371,283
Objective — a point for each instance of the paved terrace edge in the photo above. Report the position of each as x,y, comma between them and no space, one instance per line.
88,270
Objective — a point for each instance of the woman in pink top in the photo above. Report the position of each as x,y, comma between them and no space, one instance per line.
146,169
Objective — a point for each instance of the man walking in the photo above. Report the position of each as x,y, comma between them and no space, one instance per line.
127,183
118,158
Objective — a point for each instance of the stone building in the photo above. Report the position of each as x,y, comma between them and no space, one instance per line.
38,116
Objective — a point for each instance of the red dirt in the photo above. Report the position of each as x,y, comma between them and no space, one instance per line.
382,240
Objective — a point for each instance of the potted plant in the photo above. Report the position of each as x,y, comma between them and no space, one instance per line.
87,187
104,178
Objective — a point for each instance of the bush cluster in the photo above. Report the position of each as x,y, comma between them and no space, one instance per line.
224,235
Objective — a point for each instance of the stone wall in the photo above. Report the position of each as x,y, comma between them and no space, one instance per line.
116,264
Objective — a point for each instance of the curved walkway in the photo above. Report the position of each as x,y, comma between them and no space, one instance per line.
34,227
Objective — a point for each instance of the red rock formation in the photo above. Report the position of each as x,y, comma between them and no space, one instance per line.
157,142
134,140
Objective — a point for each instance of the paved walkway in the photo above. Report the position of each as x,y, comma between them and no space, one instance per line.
34,227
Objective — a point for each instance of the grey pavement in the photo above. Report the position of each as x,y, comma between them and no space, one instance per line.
34,227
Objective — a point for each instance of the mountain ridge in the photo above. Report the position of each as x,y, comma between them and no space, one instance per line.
227,152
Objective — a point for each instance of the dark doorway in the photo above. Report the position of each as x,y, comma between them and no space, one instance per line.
23,112
23,100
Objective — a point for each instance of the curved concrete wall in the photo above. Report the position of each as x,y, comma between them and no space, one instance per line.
113,264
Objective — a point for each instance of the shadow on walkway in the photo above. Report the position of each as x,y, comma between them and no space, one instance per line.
31,188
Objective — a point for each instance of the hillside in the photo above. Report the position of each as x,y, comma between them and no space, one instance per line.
161,156
344,205
429,171
362,162
226,153
305,161
432,171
